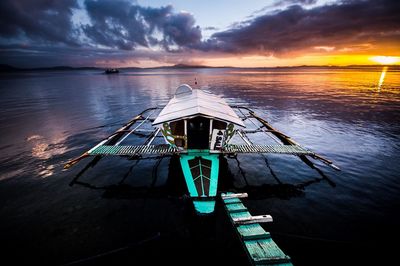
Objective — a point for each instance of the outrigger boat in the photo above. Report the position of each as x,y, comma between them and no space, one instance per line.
199,127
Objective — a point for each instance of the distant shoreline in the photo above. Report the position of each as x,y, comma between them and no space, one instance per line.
8,68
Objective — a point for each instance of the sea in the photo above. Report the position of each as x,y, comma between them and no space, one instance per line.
129,212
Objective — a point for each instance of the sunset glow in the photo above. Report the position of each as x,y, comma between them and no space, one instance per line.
167,32
385,60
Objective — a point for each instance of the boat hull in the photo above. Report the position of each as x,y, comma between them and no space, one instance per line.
200,169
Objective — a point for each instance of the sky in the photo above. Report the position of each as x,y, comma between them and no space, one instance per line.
149,33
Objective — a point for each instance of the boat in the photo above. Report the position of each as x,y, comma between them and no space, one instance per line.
200,128
111,71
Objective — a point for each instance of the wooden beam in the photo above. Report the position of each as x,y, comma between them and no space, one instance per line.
288,141
253,219
110,140
234,195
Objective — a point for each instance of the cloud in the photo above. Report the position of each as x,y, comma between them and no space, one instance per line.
49,32
294,2
120,24
117,24
45,56
41,21
210,28
297,29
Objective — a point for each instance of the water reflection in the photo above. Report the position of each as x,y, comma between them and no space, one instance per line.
174,188
44,149
382,78
47,118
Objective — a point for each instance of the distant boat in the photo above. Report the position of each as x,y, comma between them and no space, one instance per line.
111,71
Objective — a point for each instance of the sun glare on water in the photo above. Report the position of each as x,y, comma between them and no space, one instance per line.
382,78
385,60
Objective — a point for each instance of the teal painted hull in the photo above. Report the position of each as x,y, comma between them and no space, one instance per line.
200,169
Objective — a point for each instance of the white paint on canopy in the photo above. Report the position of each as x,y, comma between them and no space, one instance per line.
189,103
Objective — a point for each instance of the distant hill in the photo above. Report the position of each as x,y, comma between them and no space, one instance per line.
65,68
188,66
8,68
4,68
179,66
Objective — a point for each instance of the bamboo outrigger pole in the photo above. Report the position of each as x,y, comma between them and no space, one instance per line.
288,141
110,140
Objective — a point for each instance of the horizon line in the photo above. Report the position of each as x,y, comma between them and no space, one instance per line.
5,67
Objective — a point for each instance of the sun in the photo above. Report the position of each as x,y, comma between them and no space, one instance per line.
385,60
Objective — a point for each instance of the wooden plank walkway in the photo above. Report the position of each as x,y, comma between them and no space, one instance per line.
258,244
130,150
280,149
167,149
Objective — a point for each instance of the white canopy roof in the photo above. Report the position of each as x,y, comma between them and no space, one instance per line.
189,103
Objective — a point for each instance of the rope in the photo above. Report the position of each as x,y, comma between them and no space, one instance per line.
258,127
262,155
117,122
133,130
129,172
270,169
241,171
155,173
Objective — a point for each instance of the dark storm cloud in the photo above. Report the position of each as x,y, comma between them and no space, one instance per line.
123,25
45,56
297,29
40,20
114,24
46,32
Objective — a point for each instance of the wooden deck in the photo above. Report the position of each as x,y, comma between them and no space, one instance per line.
130,150
280,149
257,243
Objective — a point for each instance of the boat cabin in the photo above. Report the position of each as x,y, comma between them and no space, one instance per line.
197,120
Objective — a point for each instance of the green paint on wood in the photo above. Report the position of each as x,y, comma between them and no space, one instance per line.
265,251
252,231
207,206
232,200
243,214
230,131
204,206
236,207
134,150
188,175
258,244
166,131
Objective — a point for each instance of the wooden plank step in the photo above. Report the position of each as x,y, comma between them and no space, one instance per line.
236,207
265,251
232,200
241,214
253,219
252,231
258,244
234,195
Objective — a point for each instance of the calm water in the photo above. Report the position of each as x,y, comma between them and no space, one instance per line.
47,118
